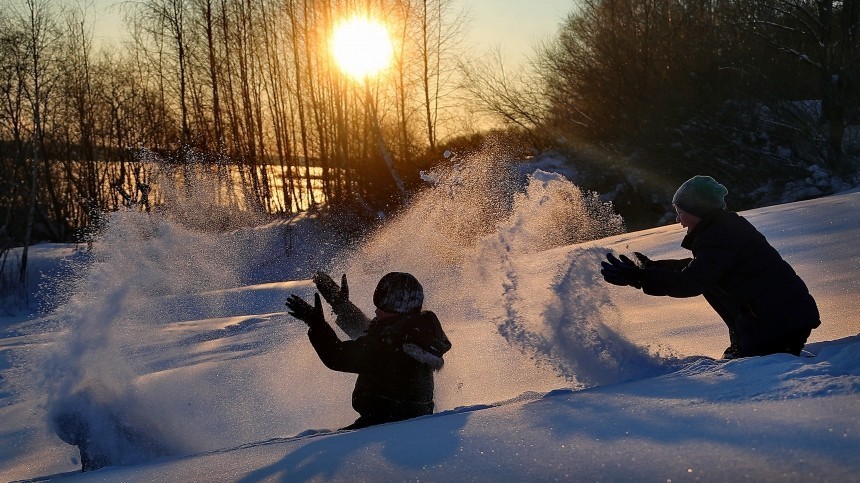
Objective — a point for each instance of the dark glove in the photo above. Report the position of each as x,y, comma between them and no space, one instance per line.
332,294
641,260
621,272
303,310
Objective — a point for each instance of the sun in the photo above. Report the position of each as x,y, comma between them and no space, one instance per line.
361,47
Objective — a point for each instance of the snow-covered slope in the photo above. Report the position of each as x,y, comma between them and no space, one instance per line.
554,374
776,417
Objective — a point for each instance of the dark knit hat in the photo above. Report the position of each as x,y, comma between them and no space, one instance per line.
700,196
399,293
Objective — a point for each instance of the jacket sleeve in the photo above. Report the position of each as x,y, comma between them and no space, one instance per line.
705,270
350,319
670,264
355,356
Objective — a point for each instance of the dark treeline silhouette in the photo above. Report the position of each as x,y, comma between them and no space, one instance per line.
646,93
247,85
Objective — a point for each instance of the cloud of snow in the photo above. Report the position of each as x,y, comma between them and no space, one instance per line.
141,272
162,302
575,333
470,238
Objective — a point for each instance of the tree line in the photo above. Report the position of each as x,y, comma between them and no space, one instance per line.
646,93
211,84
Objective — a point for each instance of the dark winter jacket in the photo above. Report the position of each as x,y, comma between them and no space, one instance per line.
755,291
394,360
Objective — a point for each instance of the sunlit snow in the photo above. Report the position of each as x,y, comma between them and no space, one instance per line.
554,374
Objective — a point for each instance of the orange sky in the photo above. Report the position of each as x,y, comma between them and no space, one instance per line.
515,26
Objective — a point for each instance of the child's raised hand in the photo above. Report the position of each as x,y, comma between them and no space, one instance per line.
303,311
332,294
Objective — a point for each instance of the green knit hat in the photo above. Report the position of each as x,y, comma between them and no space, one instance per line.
700,196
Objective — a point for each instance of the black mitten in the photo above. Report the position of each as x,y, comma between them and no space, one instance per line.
620,272
642,260
303,310
332,294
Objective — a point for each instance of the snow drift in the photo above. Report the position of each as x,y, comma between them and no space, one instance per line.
553,374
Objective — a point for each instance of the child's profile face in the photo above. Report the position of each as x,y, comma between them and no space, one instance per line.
687,220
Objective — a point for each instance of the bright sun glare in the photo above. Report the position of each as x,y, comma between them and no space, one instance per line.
361,47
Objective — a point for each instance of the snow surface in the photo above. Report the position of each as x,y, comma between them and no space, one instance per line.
553,375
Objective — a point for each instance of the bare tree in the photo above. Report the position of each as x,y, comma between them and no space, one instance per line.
41,35
823,34
510,97
440,34
165,21
205,16
13,69
80,102
250,81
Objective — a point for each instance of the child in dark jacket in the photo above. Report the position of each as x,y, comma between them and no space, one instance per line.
767,307
394,355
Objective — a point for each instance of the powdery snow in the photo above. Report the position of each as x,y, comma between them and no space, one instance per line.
554,374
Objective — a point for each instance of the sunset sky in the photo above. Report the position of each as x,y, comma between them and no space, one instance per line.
515,26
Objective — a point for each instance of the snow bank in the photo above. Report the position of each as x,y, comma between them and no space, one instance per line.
185,336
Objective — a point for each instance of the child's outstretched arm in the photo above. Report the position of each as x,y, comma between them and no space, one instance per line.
350,318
